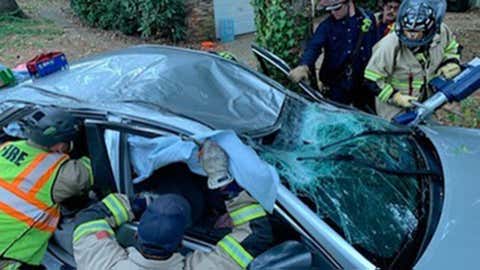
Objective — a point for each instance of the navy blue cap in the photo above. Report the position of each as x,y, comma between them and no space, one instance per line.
163,224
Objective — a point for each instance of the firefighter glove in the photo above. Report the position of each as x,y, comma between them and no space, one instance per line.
299,73
214,161
141,201
449,71
403,100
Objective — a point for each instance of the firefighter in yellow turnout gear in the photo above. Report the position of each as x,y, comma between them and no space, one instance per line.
35,176
405,61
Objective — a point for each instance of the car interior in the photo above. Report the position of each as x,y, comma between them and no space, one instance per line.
289,249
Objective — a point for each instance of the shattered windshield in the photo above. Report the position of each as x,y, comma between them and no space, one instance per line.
356,172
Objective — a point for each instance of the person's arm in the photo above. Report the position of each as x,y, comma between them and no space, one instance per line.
315,45
379,69
450,66
452,49
310,55
74,177
94,243
250,236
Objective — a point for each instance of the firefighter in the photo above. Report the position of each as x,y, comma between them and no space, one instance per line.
162,226
346,37
386,18
403,62
36,175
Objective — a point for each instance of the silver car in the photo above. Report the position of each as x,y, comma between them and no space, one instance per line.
356,191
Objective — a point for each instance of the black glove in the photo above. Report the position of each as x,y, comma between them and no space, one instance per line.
140,203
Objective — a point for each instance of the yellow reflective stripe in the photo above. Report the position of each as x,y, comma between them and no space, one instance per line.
451,47
236,251
91,227
417,84
396,83
117,208
88,164
247,213
372,75
387,91
452,55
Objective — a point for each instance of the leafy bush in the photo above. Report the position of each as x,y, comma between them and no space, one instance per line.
149,18
279,28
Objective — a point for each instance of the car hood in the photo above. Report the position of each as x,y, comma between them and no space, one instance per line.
191,84
455,242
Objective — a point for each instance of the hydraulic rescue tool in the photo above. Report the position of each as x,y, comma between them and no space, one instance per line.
456,89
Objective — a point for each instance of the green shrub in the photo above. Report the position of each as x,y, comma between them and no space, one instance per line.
279,28
149,18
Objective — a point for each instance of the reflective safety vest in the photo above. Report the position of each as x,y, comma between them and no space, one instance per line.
28,214
230,245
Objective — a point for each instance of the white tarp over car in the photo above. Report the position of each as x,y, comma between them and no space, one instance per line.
252,173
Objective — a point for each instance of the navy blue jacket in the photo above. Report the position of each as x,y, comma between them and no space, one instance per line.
338,39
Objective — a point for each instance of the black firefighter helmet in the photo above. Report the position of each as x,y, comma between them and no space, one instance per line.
49,126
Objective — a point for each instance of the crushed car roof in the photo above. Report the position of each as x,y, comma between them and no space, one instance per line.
165,80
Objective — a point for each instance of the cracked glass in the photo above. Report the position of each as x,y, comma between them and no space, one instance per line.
353,170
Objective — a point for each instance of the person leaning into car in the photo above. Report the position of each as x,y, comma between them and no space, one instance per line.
162,226
37,174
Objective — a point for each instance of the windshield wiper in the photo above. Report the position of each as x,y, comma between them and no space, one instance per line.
361,162
367,133
51,93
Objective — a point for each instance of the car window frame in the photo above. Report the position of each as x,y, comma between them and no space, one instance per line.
124,127
104,182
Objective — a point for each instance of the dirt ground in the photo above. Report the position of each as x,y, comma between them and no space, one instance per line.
59,30
466,27
53,26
